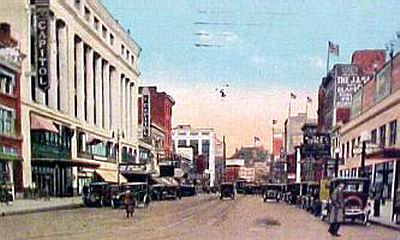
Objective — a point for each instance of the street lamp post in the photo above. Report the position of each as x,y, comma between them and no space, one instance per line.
118,136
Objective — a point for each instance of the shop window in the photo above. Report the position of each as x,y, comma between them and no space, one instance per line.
122,49
374,134
181,143
77,4
111,39
347,149
6,122
96,23
6,82
104,31
393,132
87,14
353,145
382,136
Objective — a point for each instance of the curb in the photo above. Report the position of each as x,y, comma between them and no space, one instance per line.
43,209
386,225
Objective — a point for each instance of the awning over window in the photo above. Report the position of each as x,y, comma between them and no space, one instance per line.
109,176
40,123
166,181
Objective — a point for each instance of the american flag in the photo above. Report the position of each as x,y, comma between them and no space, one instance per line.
333,48
292,95
309,99
274,121
256,139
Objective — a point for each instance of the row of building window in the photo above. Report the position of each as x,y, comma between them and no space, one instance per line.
105,34
192,133
205,146
381,140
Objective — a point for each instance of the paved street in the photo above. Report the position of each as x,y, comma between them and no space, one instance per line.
202,217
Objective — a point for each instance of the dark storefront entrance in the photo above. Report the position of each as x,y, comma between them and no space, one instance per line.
56,180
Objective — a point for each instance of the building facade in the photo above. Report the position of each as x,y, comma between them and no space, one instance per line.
79,90
374,120
203,142
155,121
10,112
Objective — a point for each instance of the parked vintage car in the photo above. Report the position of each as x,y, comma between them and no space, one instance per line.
140,191
273,192
356,197
100,194
165,192
187,190
228,190
6,194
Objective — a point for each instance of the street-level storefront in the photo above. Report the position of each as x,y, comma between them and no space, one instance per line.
383,169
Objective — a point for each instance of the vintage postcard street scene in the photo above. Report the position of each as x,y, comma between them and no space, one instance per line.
199,119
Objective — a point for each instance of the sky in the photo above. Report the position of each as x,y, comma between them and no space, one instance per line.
258,51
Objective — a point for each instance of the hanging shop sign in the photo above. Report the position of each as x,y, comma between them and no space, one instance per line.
146,121
42,43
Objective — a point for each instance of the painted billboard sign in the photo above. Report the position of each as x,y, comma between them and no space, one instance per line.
42,43
349,79
146,121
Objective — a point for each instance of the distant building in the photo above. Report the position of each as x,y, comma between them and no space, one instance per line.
293,139
203,142
155,131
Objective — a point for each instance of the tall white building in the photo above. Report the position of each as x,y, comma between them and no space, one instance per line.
79,90
203,142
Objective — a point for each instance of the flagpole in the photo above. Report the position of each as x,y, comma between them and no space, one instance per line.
290,106
327,61
306,108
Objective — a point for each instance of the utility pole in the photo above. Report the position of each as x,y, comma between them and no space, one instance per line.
224,150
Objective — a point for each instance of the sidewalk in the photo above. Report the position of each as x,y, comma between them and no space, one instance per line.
381,222
25,206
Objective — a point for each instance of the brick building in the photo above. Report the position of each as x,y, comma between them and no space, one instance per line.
10,111
374,118
156,144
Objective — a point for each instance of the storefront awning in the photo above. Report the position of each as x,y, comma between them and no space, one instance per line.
40,123
166,181
110,176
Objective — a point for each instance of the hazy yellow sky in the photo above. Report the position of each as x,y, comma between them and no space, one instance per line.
241,115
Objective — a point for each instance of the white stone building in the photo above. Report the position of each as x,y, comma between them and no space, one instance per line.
203,142
75,117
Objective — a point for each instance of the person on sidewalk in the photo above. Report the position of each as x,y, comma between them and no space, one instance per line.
337,213
129,203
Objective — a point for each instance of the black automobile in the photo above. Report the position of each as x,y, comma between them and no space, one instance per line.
100,194
273,192
140,191
228,190
187,190
356,195
165,192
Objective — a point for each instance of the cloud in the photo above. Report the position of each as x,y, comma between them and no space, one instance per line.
258,60
225,39
316,62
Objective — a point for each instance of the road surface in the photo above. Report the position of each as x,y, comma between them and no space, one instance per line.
201,217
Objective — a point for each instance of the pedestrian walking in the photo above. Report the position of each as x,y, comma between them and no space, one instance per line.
129,203
337,213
